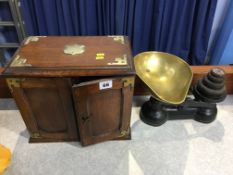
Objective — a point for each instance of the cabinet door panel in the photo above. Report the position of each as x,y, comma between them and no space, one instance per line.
103,113
104,121
47,109
38,99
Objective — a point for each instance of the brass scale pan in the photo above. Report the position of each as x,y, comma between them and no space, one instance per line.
167,76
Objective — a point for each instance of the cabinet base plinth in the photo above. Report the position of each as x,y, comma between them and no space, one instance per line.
41,140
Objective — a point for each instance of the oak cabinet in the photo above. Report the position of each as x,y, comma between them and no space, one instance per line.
73,88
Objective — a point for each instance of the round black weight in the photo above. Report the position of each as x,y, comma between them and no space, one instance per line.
214,79
208,92
212,85
199,96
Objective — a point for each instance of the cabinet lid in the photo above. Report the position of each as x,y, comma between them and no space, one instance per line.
68,56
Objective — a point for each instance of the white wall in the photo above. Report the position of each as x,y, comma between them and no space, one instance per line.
220,12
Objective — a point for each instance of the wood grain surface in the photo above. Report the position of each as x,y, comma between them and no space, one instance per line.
4,91
46,58
46,108
102,114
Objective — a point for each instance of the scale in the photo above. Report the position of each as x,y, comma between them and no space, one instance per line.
169,79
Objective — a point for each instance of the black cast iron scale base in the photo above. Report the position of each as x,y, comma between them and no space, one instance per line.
156,113
208,91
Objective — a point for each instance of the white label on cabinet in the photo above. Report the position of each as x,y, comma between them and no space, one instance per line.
105,84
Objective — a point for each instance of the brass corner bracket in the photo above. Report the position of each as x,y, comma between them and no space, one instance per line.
19,62
33,39
35,135
118,38
119,61
125,133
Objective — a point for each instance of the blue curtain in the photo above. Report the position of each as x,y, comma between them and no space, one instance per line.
180,27
222,46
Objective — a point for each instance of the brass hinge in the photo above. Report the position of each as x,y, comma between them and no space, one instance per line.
13,82
128,81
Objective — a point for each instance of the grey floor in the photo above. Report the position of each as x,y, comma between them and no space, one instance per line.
176,148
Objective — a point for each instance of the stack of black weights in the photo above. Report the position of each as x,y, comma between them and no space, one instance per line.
211,87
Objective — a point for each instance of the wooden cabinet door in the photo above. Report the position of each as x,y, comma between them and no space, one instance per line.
103,109
46,107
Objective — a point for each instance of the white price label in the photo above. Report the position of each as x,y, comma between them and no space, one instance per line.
105,84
